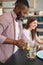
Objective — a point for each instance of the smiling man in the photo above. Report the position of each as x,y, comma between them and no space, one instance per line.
10,31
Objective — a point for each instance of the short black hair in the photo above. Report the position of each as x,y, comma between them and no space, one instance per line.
25,2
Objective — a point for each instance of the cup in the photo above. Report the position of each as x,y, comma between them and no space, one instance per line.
32,53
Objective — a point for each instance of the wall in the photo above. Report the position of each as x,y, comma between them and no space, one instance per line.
8,6
39,4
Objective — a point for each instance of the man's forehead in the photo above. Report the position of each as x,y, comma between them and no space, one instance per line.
24,7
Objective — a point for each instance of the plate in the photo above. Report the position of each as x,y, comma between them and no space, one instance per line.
40,54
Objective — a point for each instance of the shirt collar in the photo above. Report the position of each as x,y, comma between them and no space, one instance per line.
14,14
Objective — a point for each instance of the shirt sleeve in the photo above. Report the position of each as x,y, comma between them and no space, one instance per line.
26,37
3,25
2,39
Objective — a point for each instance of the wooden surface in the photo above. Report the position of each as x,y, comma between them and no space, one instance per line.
0,0
8,0
39,30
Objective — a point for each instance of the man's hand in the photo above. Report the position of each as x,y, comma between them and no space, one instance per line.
20,43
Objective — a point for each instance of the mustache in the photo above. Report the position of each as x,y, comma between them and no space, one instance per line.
19,15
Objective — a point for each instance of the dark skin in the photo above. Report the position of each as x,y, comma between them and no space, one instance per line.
20,14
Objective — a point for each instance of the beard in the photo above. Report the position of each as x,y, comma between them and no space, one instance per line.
19,16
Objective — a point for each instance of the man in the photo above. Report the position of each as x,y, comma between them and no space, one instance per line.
11,29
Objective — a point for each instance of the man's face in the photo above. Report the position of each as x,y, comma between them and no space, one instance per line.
22,13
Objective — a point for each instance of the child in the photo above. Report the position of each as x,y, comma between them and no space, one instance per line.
30,33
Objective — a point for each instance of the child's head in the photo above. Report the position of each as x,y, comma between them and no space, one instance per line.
31,23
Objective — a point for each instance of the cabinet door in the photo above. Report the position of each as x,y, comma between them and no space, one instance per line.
31,3
6,6
0,0
39,4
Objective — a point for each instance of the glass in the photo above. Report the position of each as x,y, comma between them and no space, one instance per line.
31,53
31,50
25,46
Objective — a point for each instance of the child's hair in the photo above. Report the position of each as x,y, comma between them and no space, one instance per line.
30,20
